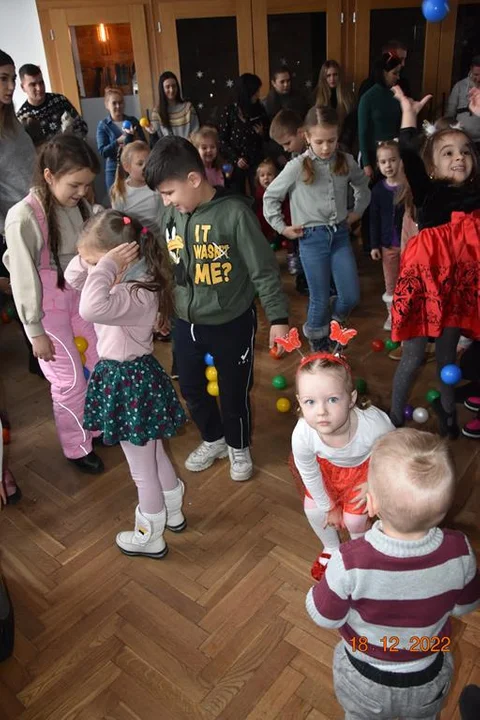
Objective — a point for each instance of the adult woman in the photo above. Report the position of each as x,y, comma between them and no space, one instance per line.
111,135
174,115
458,102
332,91
282,96
242,129
379,114
17,162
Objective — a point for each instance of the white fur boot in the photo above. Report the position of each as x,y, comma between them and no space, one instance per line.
147,538
173,503
387,299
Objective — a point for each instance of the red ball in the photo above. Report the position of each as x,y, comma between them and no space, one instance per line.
274,352
6,317
378,345
6,436
285,244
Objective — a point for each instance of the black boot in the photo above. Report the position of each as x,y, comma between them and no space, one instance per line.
469,702
90,464
447,422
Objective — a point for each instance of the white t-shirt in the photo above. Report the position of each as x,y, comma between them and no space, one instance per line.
143,204
307,445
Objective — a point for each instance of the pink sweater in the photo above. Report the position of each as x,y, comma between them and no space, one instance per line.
123,319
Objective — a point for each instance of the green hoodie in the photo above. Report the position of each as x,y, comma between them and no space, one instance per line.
221,259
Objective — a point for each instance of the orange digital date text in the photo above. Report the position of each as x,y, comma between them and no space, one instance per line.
417,643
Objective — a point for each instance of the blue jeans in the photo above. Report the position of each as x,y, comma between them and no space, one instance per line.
326,250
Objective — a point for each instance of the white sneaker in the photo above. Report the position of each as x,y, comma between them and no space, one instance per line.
387,325
241,466
205,455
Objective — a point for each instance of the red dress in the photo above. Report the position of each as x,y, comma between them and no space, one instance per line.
439,281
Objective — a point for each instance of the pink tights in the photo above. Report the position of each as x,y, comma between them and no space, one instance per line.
152,472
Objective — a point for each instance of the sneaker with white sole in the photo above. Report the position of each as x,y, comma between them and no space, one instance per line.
241,466
472,429
472,403
205,455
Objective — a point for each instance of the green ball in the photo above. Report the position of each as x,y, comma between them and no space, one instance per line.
391,345
361,385
432,395
11,312
279,382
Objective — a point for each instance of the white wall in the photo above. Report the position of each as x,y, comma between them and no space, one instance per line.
20,37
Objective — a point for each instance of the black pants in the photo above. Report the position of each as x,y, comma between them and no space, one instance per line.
232,347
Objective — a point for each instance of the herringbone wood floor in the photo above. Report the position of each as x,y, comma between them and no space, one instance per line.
218,628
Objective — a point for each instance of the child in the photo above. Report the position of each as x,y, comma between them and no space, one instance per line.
130,194
266,173
41,233
317,183
221,260
206,142
287,130
386,217
130,399
391,593
331,446
437,291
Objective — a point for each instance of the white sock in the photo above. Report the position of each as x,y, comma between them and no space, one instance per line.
327,535
326,551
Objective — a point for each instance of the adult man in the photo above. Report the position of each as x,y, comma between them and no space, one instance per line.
396,48
459,100
51,111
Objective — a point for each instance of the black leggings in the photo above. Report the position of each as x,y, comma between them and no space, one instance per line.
413,354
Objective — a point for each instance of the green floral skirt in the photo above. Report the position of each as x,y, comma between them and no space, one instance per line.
132,400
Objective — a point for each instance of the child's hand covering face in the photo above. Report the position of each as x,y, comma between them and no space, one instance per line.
123,254
90,254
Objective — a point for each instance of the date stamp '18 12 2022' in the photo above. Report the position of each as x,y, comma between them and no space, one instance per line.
416,643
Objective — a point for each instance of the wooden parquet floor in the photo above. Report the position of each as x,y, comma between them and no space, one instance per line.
216,630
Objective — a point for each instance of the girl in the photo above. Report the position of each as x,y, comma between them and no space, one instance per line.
386,218
41,233
266,173
331,447
130,193
317,182
130,398
332,91
206,142
173,115
438,288
242,130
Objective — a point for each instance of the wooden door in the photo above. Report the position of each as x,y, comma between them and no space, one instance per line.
301,35
207,44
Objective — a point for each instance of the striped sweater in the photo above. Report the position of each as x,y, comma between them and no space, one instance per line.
398,595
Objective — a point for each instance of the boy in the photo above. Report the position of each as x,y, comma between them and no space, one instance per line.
391,592
220,261
286,130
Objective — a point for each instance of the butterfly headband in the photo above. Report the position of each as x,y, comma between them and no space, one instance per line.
341,336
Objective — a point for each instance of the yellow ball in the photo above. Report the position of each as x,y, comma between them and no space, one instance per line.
213,389
144,122
83,358
211,373
283,405
81,344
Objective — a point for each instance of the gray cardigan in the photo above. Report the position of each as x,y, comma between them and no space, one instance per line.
324,202
17,163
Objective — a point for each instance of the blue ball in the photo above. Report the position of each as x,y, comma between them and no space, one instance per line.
451,374
86,372
408,412
209,359
127,125
435,10
227,168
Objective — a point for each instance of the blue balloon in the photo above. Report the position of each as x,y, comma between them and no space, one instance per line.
435,10
209,359
86,372
451,374
127,125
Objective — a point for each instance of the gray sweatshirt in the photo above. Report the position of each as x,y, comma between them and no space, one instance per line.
17,162
323,202
457,107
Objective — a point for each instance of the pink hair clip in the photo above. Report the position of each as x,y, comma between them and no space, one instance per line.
126,220
144,231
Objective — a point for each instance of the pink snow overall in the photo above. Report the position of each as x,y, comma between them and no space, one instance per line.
62,322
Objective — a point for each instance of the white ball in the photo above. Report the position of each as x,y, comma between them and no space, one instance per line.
420,415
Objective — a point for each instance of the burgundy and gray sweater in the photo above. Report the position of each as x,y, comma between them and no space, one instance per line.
379,586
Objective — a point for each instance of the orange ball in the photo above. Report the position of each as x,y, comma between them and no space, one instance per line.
275,352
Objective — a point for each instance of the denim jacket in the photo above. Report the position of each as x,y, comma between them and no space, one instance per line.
107,135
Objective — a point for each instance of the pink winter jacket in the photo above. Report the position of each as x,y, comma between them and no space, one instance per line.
123,318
